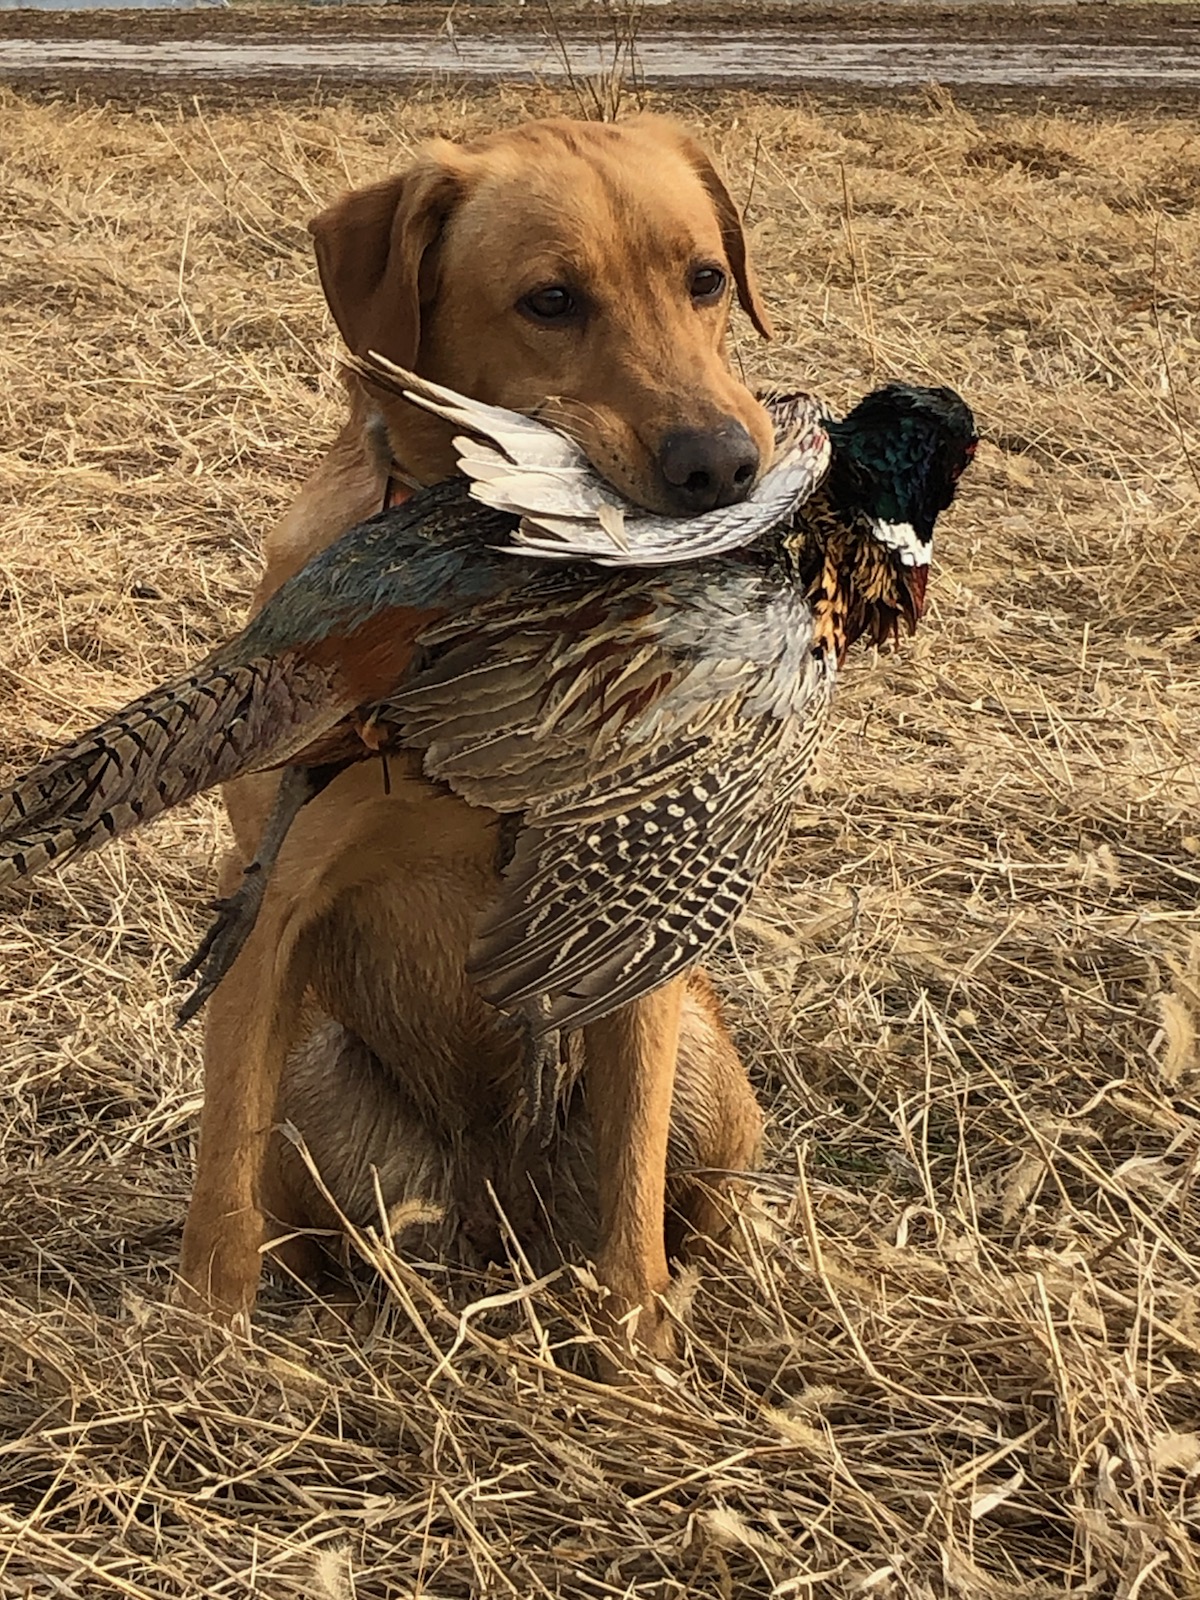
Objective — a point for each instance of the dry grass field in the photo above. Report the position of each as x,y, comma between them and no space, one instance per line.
958,1351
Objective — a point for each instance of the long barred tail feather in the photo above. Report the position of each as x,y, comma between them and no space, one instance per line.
213,725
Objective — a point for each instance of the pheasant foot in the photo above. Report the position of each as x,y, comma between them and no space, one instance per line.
543,1068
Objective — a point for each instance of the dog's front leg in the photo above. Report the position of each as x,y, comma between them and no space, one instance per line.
630,1075
253,1020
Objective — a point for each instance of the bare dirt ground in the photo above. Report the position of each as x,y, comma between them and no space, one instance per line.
958,1351
1097,23
1025,53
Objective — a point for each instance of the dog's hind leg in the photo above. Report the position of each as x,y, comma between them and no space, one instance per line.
253,1022
716,1126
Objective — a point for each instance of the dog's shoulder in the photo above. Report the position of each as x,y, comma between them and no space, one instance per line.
345,487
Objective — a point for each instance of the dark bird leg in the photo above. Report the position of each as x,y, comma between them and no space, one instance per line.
543,1061
542,1070
238,912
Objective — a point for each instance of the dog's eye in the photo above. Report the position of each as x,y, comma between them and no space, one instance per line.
551,304
708,284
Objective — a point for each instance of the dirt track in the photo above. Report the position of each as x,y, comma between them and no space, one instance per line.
1090,54
1146,24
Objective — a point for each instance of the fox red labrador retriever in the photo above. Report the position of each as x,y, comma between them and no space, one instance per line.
586,271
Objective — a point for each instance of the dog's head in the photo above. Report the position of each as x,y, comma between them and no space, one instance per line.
584,271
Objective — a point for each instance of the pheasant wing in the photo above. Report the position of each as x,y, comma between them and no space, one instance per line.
650,541
568,512
652,735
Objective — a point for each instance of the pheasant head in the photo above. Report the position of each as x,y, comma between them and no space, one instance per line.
863,542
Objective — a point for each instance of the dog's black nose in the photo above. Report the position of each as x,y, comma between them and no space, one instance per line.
708,467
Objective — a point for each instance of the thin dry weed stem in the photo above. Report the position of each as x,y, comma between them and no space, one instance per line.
858,265
1168,373
601,96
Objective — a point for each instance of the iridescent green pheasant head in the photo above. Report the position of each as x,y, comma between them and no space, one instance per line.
898,457
863,542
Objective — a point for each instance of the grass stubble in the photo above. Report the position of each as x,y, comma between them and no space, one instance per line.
958,1350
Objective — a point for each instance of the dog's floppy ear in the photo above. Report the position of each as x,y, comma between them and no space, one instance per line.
733,235
374,253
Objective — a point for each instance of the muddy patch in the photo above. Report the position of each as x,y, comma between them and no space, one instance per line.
768,58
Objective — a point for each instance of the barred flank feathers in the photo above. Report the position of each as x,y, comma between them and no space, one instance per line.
604,949
599,912
216,724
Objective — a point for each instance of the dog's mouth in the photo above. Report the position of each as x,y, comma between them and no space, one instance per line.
682,470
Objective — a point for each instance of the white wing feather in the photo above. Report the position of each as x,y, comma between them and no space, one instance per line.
524,440
568,512
652,541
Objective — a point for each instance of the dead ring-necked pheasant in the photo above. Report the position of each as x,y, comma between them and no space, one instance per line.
647,727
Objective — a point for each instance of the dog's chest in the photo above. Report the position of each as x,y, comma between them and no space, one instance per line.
389,954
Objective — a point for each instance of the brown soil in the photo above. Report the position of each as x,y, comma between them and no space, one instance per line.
1086,24
1142,25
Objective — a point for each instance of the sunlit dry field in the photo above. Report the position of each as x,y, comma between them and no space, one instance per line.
958,1352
